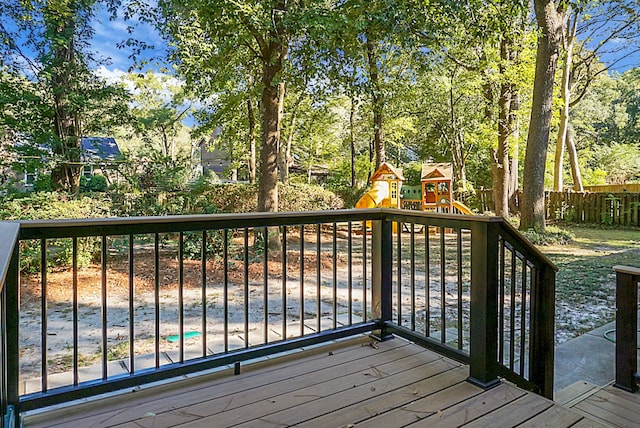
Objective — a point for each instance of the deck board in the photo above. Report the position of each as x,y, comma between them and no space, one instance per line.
348,383
611,406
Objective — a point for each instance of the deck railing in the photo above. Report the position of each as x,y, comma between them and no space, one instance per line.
627,281
171,296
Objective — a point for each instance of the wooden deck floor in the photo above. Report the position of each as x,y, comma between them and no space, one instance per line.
609,405
345,384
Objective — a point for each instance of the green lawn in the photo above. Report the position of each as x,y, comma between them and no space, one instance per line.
585,284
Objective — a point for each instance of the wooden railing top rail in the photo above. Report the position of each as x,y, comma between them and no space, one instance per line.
8,238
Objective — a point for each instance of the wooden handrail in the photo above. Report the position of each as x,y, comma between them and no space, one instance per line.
8,239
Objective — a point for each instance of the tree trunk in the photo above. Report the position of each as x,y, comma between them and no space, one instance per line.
565,95
550,20
501,185
65,174
352,142
270,135
252,141
513,168
378,103
282,149
573,159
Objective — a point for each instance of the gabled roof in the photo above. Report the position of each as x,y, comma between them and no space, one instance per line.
436,171
100,148
386,168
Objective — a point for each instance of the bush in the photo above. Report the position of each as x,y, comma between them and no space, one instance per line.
95,183
51,205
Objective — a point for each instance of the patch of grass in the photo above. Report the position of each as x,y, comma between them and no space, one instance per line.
551,235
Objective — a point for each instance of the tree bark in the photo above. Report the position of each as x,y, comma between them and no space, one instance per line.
378,103
268,181
65,174
352,141
515,152
573,159
501,183
252,141
565,95
282,149
550,18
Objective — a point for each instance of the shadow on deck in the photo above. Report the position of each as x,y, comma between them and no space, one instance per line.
352,382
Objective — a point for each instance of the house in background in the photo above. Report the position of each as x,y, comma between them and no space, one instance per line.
215,160
98,156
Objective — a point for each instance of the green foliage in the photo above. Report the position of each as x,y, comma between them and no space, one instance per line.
95,183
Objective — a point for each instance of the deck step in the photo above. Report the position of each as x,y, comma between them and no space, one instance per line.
574,393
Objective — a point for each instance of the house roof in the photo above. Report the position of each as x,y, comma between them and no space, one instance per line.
436,172
100,148
385,169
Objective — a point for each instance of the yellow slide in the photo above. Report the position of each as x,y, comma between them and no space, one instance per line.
459,207
378,192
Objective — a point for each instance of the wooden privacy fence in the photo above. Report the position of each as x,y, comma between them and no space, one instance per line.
622,208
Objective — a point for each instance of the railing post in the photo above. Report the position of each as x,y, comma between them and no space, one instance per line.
381,275
541,359
626,327
483,346
10,348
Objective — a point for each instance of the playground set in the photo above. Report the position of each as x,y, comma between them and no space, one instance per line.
434,194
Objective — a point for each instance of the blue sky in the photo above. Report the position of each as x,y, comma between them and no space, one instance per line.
110,33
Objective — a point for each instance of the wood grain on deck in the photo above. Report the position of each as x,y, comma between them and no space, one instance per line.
350,383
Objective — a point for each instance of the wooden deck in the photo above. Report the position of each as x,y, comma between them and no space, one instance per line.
345,384
609,405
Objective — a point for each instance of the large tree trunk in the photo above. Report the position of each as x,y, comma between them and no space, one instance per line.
270,136
252,141
65,174
378,103
550,20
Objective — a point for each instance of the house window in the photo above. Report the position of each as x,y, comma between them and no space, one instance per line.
30,179
87,171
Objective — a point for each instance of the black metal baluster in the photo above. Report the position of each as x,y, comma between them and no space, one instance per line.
104,306
398,226
302,280
131,307
512,312
459,267
284,282
443,292
75,310
181,295
156,297
364,271
335,276
523,321
44,316
225,291
203,297
318,277
265,274
350,284
502,285
427,281
246,285
413,276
